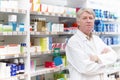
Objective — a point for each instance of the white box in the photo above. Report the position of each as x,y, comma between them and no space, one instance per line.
13,49
3,50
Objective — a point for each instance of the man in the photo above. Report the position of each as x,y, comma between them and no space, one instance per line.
87,54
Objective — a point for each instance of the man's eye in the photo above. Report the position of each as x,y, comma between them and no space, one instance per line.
91,18
84,18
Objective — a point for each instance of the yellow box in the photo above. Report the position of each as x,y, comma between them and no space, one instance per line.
35,7
35,1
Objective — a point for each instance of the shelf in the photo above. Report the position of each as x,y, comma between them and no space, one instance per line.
52,14
106,33
17,77
40,34
42,70
106,19
12,33
37,54
113,68
115,46
112,33
16,11
11,56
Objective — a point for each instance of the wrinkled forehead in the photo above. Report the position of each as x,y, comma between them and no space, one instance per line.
89,11
85,13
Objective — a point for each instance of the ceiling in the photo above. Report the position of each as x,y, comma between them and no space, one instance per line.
69,3
81,3
76,3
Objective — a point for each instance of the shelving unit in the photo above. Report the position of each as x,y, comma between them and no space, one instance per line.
54,18
43,70
24,15
9,39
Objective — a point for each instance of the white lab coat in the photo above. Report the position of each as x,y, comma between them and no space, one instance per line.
80,66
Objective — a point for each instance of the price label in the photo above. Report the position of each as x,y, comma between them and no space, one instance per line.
64,15
52,70
19,33
32,33
9,10
4,33
15,78
37,33
16,55
74,16
59,14
22,77
3,9
53,14
24,11
2,57
1,33
46,13
24,33
16,10
71,15
9,33
14,33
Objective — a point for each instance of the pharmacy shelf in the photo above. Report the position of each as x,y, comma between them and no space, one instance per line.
19,8
41,34
111,33
16,11
37,54
106,19
52,14
113,69
115,46
11,56
17,77
107,33
14,33
43,70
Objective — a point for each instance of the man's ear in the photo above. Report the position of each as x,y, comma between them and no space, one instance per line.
78,23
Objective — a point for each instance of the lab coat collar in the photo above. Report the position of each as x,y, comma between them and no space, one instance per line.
82,35
87,42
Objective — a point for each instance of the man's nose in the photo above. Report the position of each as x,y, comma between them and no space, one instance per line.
89,20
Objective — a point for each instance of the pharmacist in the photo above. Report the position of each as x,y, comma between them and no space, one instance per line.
87,54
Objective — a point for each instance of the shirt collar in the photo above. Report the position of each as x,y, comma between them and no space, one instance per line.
84,36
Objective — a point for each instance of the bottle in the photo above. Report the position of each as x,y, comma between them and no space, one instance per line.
16,67
12,20
23,48
21,66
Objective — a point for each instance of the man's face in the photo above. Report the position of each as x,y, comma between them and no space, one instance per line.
86,23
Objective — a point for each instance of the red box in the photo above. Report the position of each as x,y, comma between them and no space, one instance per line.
49,64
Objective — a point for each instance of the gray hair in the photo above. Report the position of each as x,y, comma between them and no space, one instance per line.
82,10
